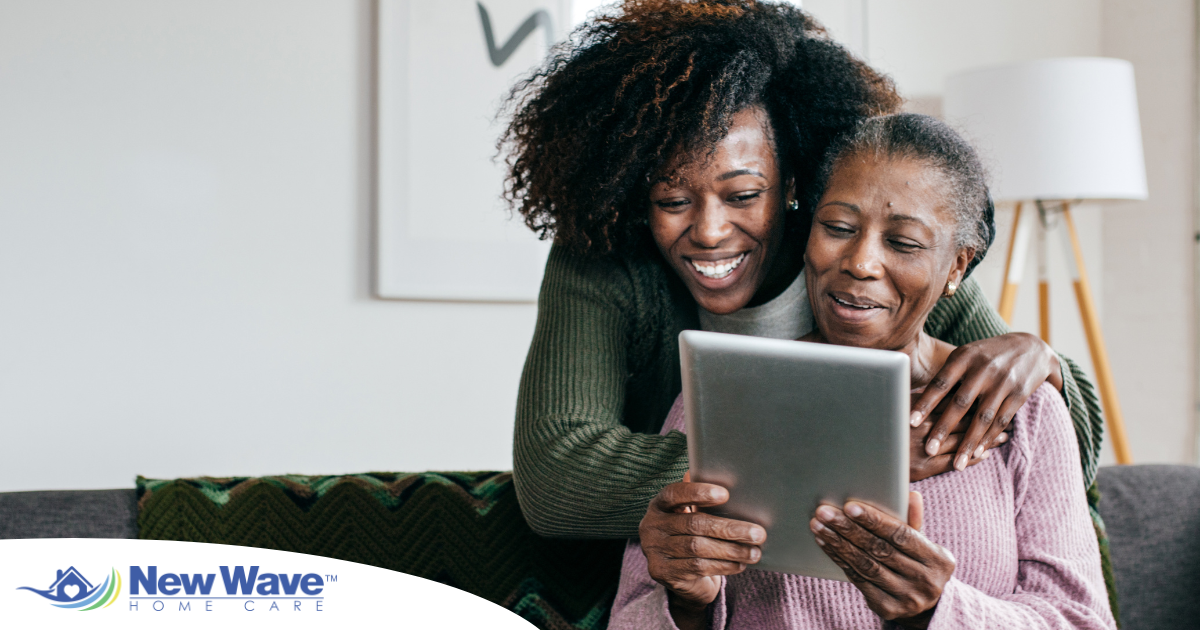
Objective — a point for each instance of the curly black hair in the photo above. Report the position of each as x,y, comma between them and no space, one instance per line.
650,78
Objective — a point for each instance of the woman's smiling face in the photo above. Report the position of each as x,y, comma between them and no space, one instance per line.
881,251
719,221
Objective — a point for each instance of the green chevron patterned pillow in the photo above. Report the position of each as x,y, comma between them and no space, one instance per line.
464,529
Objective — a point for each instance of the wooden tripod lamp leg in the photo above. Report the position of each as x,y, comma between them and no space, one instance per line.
1043,280
1012,273
1091,327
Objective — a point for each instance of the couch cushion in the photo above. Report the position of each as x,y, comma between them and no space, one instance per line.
69,514
461,529
1153,519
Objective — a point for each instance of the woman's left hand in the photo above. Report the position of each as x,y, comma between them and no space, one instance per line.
995,376
899,571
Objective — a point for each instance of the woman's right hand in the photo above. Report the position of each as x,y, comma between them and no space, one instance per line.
922,465
688,551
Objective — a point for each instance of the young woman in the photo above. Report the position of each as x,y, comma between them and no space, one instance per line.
612,151
1005,544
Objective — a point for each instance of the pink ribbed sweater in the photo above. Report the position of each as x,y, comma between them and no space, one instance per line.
1016,523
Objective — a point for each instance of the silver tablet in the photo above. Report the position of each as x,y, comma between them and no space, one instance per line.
787,425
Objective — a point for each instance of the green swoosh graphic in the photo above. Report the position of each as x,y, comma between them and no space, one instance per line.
112,585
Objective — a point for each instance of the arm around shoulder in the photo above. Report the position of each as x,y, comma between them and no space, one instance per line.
968,317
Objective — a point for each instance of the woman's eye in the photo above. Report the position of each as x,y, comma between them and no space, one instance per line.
671,205
905,246
745,197
838,230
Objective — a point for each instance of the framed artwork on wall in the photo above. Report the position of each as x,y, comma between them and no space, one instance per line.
444,68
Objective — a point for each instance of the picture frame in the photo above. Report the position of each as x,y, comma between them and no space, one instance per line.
442,228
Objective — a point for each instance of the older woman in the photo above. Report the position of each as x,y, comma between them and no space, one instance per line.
1006,544
612,150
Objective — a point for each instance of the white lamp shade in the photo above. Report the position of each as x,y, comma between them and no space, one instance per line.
1054,128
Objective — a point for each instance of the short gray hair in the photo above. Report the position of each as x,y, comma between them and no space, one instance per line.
929,140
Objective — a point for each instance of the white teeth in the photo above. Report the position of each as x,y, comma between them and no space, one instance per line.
718,271
845,303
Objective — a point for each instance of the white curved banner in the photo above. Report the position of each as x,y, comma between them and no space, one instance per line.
99,583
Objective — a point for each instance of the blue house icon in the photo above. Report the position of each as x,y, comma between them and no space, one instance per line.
61,590
66,579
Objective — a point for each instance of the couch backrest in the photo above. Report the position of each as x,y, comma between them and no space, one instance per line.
69,514
1153,518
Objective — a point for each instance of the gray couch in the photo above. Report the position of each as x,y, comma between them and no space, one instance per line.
1152,513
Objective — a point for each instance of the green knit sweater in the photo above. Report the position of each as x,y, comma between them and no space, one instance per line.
603,370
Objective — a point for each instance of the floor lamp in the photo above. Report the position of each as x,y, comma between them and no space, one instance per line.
1056,131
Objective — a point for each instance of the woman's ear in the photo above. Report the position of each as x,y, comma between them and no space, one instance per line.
958,271
789,201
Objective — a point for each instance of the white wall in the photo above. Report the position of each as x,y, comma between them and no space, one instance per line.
184,257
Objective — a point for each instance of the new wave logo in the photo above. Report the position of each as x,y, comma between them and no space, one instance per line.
71,590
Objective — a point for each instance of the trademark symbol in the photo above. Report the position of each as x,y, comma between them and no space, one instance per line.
330,578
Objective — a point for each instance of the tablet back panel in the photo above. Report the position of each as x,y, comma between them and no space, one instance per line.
787,425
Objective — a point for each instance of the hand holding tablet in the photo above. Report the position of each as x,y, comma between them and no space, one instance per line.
899,571
689,550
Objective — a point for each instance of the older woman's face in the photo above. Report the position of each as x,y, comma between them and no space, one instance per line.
881,250
719,222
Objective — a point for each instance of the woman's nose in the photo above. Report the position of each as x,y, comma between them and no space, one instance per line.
863,260
712,226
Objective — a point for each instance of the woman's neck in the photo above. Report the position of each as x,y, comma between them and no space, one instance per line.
780,276
927,358
926,355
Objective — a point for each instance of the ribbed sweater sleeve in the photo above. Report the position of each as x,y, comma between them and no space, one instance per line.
579,472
